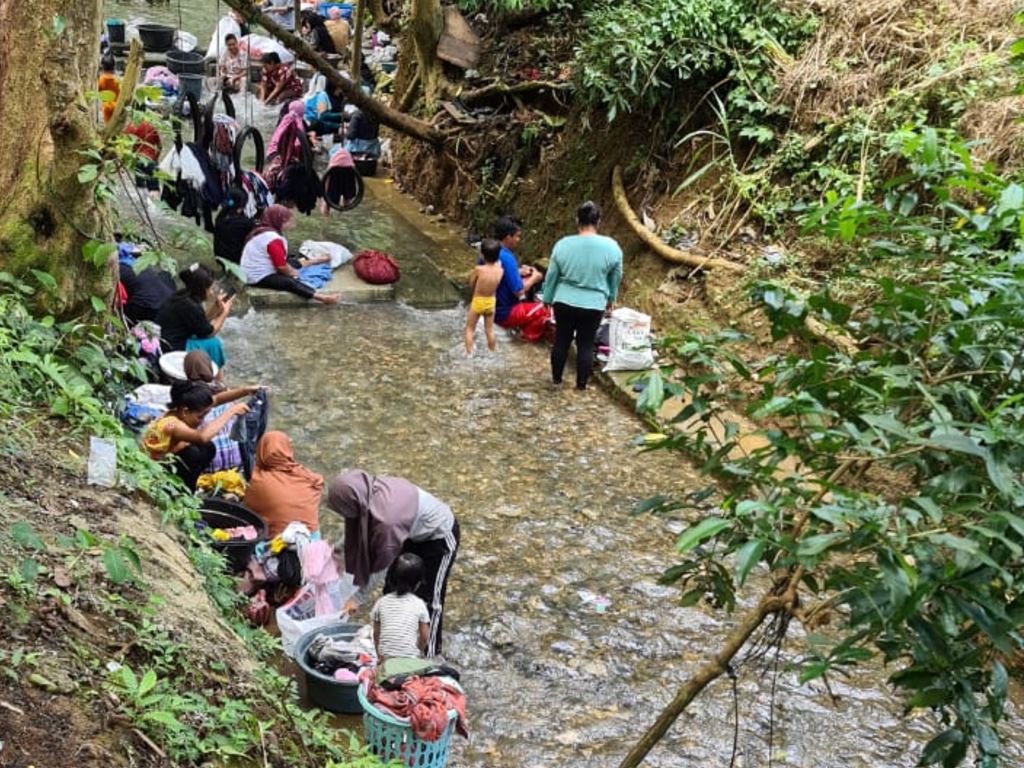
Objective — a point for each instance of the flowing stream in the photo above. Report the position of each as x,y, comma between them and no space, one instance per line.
568,643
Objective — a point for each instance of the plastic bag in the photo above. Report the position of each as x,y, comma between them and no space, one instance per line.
298,616
629,341
102,462
339,253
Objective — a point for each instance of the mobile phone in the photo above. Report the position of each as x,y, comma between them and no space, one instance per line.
230,291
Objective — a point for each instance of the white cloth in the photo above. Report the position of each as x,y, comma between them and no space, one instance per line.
256,261
400,617
226,26
339,253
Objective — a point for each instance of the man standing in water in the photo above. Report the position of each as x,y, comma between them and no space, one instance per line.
513,311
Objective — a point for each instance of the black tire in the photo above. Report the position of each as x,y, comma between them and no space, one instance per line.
257,140
210,110
194,113
354,201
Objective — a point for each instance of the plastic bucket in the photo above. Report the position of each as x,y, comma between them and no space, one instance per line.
191,83
115,31
221,513
326,692
185,62
156,37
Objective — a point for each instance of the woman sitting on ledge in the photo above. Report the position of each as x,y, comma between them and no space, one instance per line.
265,257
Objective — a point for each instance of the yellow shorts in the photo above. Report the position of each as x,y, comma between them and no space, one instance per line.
483,305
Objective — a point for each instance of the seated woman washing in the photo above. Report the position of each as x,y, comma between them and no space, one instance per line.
184,322
265,257
179,433
199,368
386,517
281,490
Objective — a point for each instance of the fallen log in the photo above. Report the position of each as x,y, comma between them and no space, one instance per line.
516,89
652,241
379,111
815,327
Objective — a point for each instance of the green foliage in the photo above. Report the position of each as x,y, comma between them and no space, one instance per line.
641,56
74,372
890,480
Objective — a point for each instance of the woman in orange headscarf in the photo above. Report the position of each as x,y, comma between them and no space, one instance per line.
282,490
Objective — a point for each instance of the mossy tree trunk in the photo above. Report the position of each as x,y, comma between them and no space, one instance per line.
426,26
49,51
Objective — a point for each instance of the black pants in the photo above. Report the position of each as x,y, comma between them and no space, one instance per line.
279,282
438,557
581,324
192,460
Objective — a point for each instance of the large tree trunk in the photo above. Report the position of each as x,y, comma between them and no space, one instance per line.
49,51
426,26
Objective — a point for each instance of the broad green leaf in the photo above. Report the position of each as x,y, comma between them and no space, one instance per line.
747,557
45,279
117,569
23,535
129,680
956,441
936,750
702,531
933,697
812,671
815,545
29,570
164,718
147,682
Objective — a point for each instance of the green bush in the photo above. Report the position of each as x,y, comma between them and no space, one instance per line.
641,56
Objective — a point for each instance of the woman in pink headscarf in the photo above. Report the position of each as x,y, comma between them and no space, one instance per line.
385,517
265,257
285,145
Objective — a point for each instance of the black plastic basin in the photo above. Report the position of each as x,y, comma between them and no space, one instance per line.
156,37
219,513
184,62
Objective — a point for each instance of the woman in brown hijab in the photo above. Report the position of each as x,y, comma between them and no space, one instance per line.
282,490
384,517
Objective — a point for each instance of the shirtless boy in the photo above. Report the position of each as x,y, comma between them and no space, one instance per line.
484,284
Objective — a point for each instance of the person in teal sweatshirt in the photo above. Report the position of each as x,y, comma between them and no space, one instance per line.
581,285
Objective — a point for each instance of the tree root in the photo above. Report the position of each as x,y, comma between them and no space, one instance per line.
667,252
517,89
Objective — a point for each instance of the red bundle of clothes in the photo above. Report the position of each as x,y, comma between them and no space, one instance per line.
425,702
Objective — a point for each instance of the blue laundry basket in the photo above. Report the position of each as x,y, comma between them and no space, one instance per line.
346,9
391,739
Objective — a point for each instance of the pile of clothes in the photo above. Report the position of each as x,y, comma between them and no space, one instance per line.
346,659
424,701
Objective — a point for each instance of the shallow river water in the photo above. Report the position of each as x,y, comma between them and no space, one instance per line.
568,644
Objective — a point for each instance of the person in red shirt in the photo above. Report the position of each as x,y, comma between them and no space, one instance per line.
265,257
147,146
279,83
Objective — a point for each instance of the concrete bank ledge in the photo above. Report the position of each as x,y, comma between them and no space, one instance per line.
345,283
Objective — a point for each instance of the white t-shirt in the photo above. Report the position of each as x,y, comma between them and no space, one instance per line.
256,261
400,617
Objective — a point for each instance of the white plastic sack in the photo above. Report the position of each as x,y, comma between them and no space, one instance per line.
339,253
256,45
102,469
629,341
298,616
226,26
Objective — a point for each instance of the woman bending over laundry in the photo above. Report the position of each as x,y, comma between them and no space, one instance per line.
282,491
265,257
180,432
386,517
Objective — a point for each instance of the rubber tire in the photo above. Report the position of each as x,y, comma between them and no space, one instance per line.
257,140
355,201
